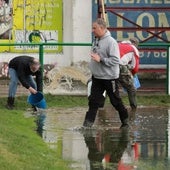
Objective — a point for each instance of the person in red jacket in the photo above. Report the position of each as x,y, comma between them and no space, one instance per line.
129,66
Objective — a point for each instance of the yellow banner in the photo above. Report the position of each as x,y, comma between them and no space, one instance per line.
29,21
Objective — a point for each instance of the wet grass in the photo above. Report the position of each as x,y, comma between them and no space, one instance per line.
151,100
22,148
73,101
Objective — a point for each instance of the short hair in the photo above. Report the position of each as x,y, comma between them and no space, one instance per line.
34,61
134,40
101,22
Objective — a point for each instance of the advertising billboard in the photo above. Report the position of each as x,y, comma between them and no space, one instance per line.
148,20
30,21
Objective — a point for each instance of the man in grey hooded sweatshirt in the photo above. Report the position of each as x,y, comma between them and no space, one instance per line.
104,66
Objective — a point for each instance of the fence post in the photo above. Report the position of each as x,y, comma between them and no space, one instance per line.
41,58
168,71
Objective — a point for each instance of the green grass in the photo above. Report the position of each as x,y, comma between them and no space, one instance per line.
151,100
21,147
73,101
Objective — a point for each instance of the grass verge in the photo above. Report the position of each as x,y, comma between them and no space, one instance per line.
20,146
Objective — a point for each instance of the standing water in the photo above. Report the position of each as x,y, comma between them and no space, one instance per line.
144,146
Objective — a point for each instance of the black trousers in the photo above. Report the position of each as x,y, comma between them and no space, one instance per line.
96,98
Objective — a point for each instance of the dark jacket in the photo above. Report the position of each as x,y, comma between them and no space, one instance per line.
22,66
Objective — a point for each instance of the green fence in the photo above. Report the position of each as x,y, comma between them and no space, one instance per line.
41,53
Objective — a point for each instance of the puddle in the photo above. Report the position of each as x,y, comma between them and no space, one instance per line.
145,146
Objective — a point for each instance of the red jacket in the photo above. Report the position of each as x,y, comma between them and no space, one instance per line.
125,48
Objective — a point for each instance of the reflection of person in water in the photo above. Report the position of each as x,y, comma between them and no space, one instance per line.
106,149
5,19
40,121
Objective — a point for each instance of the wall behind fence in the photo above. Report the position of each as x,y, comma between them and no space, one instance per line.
75,28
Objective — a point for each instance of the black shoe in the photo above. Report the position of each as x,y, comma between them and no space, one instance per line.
133,109
124,126
34,109
87,123
9,107
10,103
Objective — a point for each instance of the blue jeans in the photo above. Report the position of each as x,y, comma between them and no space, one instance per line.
14,82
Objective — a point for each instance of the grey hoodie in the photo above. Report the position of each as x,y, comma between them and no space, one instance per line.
108,49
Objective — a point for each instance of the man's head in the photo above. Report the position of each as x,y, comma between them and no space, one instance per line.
1,3
134,41
34,65
99,27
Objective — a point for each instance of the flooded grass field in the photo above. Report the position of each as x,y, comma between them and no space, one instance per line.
144,146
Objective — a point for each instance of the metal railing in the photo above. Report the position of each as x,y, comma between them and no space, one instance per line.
41,47
41,53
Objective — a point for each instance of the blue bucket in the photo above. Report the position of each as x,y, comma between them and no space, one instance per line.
136,81
37,100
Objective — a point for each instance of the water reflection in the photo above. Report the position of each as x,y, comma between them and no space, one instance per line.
40,121
144,146
108,149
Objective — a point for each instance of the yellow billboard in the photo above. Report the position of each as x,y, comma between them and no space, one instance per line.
31,21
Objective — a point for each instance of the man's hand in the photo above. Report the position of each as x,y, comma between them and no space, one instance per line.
32,90
95,57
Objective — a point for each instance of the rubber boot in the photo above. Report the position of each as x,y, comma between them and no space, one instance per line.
10,103
34,109
87,123
125,124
